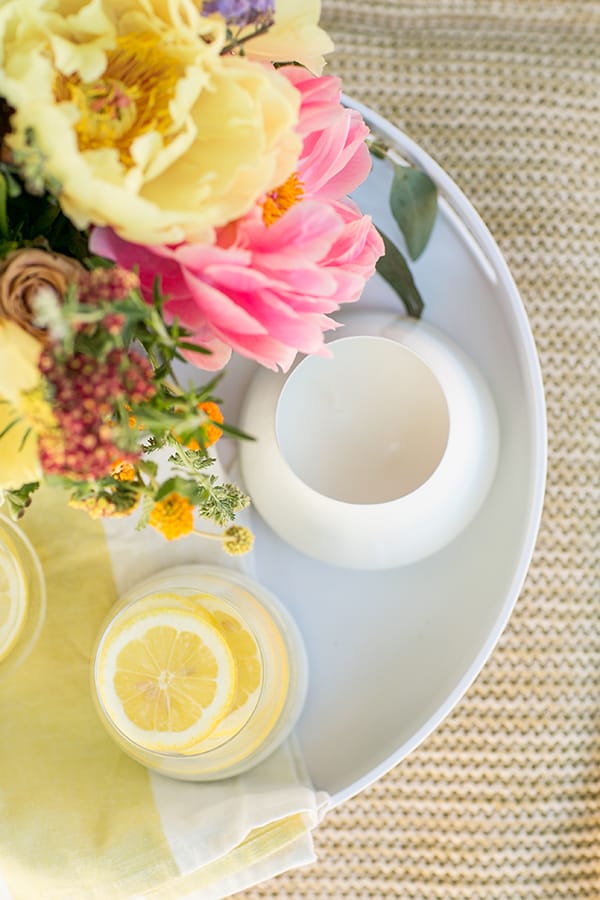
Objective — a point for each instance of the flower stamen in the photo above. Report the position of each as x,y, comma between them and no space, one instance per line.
278,202
132,97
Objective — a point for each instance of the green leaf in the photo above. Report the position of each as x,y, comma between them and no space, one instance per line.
148,466
394,268
13,186
235,432
195,348
177,485
413,201
19,500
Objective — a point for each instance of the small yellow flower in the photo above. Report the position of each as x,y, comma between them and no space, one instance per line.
122,470
237,540
173,516
210,432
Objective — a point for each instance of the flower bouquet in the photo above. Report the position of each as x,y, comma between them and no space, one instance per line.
174,182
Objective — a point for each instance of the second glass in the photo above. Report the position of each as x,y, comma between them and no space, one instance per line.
157,656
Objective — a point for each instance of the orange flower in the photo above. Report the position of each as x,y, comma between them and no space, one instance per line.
173,516
122,470
210,432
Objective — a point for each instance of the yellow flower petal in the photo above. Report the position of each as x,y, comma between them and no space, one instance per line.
18,465
20,353
295,36
144,124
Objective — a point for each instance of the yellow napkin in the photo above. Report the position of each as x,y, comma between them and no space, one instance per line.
80,819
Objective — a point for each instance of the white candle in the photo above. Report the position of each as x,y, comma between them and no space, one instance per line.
376,456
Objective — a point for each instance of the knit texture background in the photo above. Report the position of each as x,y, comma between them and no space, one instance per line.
503,800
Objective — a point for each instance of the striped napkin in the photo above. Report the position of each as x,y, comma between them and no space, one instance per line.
78,818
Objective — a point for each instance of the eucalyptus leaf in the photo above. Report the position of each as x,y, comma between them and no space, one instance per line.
413,201
394,268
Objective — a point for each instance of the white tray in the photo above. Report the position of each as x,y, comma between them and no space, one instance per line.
391,653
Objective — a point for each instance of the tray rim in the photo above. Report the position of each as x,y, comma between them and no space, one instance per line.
478,234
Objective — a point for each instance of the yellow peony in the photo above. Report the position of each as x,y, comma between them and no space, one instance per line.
130,107
295,36
19,375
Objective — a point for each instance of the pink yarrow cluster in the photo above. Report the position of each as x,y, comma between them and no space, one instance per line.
83,447
267,285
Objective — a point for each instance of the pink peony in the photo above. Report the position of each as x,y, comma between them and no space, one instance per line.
267,285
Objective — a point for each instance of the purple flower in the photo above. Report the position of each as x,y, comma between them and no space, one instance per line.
240,12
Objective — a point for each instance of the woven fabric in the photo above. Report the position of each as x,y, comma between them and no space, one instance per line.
502,802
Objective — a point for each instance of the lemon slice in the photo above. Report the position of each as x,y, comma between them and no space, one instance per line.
248,662
166,677
13,602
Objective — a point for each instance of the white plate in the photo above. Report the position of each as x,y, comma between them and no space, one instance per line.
392,652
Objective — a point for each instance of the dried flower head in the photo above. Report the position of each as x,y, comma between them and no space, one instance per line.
24,274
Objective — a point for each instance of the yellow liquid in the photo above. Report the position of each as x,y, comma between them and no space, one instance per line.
22,596
13,595
265,667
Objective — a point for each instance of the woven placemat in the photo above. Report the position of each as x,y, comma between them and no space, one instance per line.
503,800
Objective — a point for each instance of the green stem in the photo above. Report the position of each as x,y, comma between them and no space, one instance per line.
237,42
208,534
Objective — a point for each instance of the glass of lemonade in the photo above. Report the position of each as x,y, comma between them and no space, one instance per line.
22,596
199,673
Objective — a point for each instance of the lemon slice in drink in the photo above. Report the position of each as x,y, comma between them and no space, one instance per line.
13,602
248,662
166,677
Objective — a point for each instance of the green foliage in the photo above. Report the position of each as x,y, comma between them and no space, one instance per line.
393,267
35,219
413,201
17,501
217,501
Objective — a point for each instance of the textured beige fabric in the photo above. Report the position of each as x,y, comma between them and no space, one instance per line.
503,801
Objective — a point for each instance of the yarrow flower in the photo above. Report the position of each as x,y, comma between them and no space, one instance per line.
268,283
105,285
84,392
103,506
